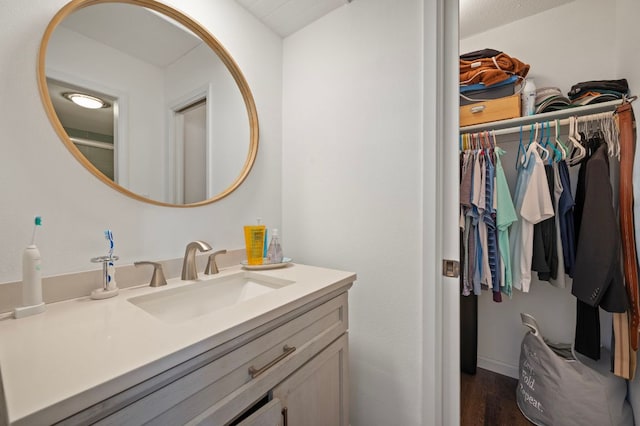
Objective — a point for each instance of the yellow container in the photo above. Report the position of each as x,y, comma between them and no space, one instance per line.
254,241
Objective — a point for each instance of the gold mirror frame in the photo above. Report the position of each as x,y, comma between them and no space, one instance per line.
196,28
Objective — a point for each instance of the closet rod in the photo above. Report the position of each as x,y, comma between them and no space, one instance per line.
513,125
551,122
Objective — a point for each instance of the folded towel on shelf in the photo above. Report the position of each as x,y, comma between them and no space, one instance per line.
490,71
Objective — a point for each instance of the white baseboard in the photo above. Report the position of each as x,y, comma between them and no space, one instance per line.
498,367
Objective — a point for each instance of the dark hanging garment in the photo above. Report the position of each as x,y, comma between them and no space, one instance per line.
565,213
587,335
597,277
587,340
468,303
468,326
545,240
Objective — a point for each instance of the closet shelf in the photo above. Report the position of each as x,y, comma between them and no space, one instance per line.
546,116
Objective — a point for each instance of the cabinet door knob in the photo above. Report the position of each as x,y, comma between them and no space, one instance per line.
286,350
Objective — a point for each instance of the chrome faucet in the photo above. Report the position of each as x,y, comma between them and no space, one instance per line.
189,270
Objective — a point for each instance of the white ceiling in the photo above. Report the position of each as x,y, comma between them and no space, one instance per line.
287,16
477,16
137,31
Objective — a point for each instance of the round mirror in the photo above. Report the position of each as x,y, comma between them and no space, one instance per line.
148,101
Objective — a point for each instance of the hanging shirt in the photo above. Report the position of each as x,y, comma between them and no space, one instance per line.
483,230
473,241
489,218
465,206
505,216
565,215
559,281
545,247
533,205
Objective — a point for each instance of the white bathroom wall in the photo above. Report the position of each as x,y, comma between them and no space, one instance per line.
228,113
565,45
82,60
352,173
38,176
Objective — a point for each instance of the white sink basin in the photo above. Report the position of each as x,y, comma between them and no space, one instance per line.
208,295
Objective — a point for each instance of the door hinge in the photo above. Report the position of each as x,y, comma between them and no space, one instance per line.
450,268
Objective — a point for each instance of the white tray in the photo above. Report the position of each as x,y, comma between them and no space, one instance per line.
266,265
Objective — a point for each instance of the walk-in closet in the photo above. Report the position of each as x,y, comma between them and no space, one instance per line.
564,43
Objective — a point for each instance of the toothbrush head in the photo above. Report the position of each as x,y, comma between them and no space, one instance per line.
38,221
109,236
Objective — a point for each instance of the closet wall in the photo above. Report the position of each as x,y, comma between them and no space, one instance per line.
582,40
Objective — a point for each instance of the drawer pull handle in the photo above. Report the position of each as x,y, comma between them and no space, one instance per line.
477,109
286,350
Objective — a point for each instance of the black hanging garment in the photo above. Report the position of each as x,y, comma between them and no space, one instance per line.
468,326
545,248
468,316
597,278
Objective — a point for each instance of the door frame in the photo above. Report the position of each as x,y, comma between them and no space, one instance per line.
441,309
120,118
175,145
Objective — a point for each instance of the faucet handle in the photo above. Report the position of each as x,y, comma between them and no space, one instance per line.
212,266
157,279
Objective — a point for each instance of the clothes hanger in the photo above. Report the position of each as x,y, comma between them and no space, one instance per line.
542,151
557,155
521,151
579,151
488,140
563,148
607,125
490,147
499,151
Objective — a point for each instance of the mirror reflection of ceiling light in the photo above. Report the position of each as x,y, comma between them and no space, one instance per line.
86,101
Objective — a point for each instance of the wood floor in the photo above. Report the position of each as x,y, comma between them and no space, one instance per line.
489,399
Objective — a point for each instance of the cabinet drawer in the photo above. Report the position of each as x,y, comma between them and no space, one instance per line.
493,110
269,415
223,388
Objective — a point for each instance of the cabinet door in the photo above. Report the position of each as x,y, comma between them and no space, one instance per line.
317,394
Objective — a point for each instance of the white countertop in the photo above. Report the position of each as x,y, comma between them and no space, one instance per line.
80,352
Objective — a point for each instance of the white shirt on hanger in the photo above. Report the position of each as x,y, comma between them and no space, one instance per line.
533,205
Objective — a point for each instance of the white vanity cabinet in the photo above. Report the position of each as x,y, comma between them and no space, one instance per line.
294,365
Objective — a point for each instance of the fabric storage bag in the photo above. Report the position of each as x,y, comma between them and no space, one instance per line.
556,388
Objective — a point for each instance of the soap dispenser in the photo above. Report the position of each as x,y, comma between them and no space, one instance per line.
274,253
